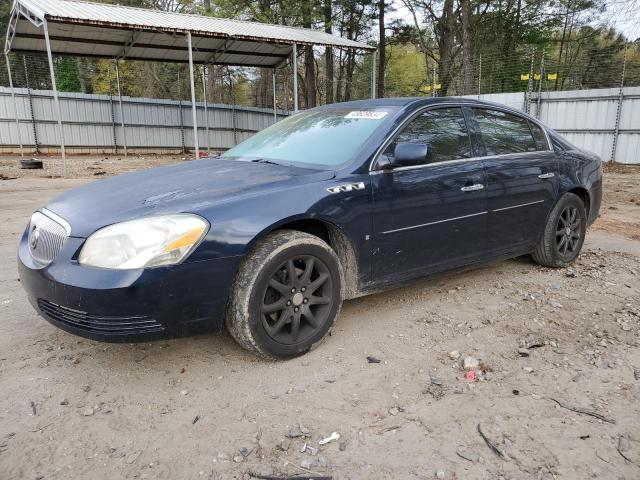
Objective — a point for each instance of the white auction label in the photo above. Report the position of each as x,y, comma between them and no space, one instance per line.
371,115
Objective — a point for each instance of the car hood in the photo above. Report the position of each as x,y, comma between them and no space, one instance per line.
192,186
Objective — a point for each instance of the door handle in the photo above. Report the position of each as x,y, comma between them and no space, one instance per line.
546,175
473,188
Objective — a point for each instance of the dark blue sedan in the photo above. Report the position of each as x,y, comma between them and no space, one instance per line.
329,204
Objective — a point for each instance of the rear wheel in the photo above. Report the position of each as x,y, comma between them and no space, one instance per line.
564,233
286,296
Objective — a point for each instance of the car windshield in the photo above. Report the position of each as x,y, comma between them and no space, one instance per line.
321,139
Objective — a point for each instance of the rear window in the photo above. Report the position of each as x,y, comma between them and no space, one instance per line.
503,133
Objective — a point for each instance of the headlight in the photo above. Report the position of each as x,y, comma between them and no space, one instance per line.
148,242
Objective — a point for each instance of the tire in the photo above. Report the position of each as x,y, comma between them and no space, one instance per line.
564,233
267,301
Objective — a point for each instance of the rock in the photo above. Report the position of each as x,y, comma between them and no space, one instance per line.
440,474
87,412
64,401
342,446
297,431
285,444
223,457
238,458
306,464
262,471
555,304
523,352
86,388
528,369
435,380
467,454
454,354
470,363
184,392
394,411
373,360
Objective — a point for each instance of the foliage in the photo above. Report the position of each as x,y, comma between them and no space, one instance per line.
463,46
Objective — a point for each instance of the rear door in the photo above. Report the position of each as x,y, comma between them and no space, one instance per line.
429,217
521,178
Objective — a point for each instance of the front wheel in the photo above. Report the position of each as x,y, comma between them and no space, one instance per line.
564,233
286,296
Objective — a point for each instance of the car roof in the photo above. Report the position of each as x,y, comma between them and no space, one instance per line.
403,101
416,102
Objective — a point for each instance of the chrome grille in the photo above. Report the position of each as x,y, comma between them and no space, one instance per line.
46,237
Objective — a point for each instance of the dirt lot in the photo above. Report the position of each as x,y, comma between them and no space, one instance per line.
203,408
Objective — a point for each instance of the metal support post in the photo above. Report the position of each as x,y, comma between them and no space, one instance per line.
527,107
206,109
295,77
15,105
55,97
193,97
32,116
480,77
373,74
124,131
540,85
275,106
614,146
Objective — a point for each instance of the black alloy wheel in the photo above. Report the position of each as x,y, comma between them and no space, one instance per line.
564,233
286,296
568,232
297,300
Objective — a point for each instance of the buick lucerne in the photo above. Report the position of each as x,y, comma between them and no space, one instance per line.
332,203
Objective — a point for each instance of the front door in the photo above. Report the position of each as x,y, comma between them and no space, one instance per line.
521,179
429,217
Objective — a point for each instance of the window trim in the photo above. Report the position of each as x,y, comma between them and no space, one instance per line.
471,105
528,121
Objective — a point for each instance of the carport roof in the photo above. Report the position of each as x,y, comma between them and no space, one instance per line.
114,31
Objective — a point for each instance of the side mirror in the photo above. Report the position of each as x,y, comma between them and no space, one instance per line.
410,154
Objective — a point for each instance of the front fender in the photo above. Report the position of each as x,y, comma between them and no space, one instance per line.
237,225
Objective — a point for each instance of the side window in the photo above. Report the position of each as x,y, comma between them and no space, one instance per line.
443,128
503,133
539,137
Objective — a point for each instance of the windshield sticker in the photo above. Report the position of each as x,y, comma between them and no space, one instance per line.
367,114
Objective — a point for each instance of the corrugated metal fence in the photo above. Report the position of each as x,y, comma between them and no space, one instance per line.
92,123
604,121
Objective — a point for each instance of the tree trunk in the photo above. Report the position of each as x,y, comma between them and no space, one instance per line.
309,62
382,49
328,53
310,77
467,48
446,29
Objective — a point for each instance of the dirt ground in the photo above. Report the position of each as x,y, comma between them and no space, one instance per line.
203,408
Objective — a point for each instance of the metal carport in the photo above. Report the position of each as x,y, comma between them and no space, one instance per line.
69,27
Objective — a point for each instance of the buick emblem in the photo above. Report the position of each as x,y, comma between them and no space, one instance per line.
35,236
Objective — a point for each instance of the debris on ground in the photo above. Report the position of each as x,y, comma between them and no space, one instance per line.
373,359
467,454
330,438
490,443
470,363
584,411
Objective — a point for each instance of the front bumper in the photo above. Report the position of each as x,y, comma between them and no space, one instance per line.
127,305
